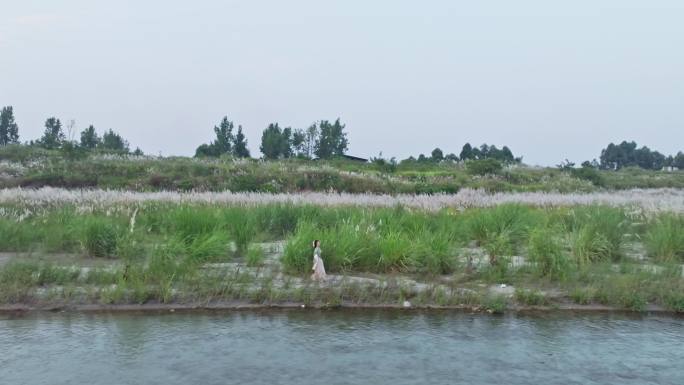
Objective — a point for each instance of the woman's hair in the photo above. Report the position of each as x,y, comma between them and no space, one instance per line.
315,243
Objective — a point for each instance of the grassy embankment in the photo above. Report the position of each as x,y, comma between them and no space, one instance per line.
22,166
169,253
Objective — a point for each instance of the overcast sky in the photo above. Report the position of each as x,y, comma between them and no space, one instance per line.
550,79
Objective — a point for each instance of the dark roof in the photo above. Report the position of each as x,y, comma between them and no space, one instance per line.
356,158
349,157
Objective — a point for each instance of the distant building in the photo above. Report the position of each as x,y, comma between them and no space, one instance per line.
355,158
350,157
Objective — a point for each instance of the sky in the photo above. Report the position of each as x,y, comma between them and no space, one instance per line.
550,79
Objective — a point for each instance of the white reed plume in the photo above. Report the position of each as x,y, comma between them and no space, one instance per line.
648,200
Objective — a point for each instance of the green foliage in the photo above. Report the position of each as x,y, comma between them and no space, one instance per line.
53,136
363,243
9,130
589,246
89,138
211,247
255,256
332,140
530,297
226,142
114,142
483,167
589,174
583,295
626,291
242,228
505,224
240,145
100,237
276,143
665,238
496,304
546,251
626,154
599,232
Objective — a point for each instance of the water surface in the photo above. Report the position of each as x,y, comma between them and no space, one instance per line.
340,347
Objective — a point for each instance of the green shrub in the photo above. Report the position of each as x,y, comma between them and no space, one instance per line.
483,166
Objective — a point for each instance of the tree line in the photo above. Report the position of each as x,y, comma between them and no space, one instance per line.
627,154
323,139
54,137
468,152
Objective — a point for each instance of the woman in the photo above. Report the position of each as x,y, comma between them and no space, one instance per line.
318,268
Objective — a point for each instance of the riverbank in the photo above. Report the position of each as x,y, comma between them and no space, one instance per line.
160,308
71,254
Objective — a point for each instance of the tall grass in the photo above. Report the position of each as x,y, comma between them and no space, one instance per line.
100,237
598,232
361,243
546,252
665,238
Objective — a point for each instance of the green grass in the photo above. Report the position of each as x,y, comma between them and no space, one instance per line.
42,167
665,238
530,297
546,252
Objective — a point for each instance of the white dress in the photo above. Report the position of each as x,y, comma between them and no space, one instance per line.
318,267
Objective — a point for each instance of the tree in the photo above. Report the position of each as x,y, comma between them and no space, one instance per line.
467,152
311,138
113,141
451,157
332,140
272,142
53,136
225,141
9,130
224,137
286,143
205,150
507,155
299,143
240,145
566,165
89,138
679,160
138,152
626,154
437,155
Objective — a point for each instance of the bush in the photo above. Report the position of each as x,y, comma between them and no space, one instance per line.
483,166
589,174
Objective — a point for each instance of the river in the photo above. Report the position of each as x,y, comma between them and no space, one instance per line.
340,347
